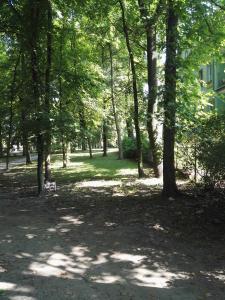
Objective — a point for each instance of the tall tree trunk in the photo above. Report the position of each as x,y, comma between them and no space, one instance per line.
150,28
105,133
48,93
24,111
152,94
1,140
64,152
82,128
26,150
12,98
169,178
34,20
40,151
105,123
118,131
8,144
129,127
63,142
135,92
90,147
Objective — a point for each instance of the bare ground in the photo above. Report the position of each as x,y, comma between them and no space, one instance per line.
99,241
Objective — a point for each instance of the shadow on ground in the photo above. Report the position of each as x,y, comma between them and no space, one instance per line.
108,239
70,247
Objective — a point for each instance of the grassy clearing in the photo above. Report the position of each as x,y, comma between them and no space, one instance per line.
81,167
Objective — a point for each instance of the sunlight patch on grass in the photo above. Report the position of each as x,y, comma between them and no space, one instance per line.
99,183
127,172
81,167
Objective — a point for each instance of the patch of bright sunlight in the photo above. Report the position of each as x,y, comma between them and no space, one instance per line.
159,278
58,164
219,275
101,259
95,151
158,227
23,255
150,181
30,236
72,220
8,286
60,265
127,172
107,278
43,269
22,298
98,183
58,260
135,259
79,251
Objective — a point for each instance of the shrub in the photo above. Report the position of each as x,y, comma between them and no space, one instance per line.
130,149
211,150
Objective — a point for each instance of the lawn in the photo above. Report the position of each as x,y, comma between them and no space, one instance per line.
81,167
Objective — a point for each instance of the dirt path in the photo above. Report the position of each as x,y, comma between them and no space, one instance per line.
88,242
16,162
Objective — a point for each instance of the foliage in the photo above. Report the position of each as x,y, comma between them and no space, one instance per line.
211,149
130,149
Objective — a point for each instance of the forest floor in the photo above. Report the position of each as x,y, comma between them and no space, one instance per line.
106,235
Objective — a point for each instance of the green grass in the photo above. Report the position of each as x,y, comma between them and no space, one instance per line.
81,167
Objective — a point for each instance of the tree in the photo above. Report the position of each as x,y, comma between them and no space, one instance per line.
118,131
150,25
135,91
169,177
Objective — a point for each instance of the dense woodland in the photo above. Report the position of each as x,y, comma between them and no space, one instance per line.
87,74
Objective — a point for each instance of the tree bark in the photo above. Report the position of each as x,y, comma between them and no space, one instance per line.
24,111
82,128
152,95
169,178
40,151
129,127
63,142
90,147
150,28
34,21
1,141
135,92
12,98
116,119
64,152
48,93
26,151
105,135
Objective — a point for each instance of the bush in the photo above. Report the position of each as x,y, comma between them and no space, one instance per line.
211,150
130,149
201,149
